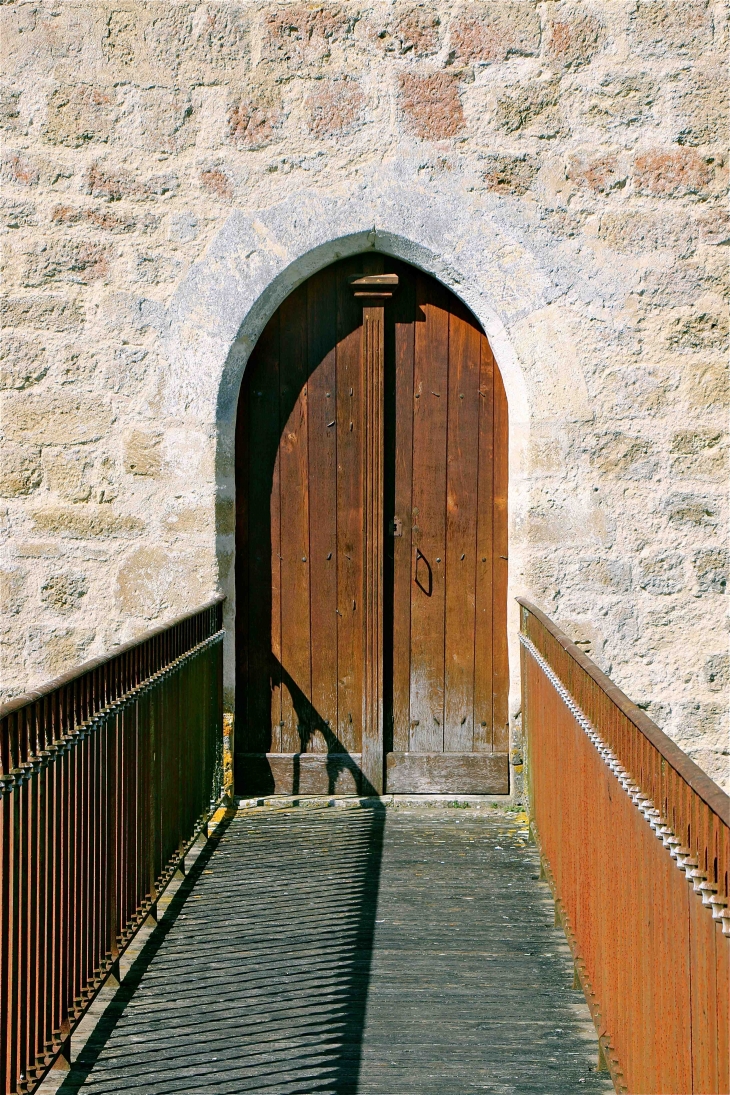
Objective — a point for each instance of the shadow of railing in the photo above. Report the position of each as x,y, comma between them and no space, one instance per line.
257,979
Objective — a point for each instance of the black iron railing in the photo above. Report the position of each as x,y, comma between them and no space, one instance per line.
107,775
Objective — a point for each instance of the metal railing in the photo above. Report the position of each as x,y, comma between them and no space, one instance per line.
107,775
635,842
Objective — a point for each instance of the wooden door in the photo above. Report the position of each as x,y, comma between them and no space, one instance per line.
371,545
448,426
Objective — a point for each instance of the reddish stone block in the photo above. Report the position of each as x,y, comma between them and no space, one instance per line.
116,184
431,105
673,172
18,169
300,34
334,107
483,33
573,37
252,125
217,182
597,173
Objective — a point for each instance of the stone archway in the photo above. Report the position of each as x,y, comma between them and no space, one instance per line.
256,260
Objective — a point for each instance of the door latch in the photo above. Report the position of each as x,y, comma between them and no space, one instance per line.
396,527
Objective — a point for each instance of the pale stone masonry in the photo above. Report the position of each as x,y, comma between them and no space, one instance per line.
171,170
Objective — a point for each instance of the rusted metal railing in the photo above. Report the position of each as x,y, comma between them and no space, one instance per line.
635,841
107,775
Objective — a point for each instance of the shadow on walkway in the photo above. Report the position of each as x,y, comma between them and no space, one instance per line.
257,978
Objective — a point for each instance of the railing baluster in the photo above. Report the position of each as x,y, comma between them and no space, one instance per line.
635,840
105,778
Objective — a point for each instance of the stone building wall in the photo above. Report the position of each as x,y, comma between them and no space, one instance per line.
172,169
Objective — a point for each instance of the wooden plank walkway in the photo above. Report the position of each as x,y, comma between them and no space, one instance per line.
369,950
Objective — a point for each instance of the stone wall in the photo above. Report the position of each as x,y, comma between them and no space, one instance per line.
172,169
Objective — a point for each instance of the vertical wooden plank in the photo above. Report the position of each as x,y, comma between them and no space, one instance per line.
428,541
373,341
349,515
274,622
500,687
243,471
461,529
322,422
293,470
483,664
404,307
260,730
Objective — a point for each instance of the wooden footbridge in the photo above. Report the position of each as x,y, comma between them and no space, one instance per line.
158,936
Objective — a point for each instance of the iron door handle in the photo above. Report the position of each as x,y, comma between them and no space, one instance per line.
425,566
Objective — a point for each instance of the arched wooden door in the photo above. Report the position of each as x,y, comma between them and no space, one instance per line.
371,543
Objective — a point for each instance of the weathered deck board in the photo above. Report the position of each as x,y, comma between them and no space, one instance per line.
407,950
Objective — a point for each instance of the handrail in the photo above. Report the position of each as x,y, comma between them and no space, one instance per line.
31,722
624,820
26,698
109,774
712,795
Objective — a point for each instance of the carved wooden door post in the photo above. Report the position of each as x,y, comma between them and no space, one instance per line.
374,290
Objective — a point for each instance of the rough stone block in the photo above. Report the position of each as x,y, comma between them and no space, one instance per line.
23,361
18,168
711,569
572,35
9,103
335,107
158,120
662,574
143,452
80,113
697,331
85,522
431,105
690,510
671,173
624,456
632,233
253,123
76,262
104,218
661,27
600,174
12,590
510,174
698,106
295,35
117,183
150,580
532,106
482,33
68,472
217,182
122,40
222,38
225,517
620,101
187,521
45,313
55,650
63,592
716,673
19,214
20,469
407,29
55,420
707,385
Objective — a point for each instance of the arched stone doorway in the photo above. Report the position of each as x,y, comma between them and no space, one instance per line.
371,543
